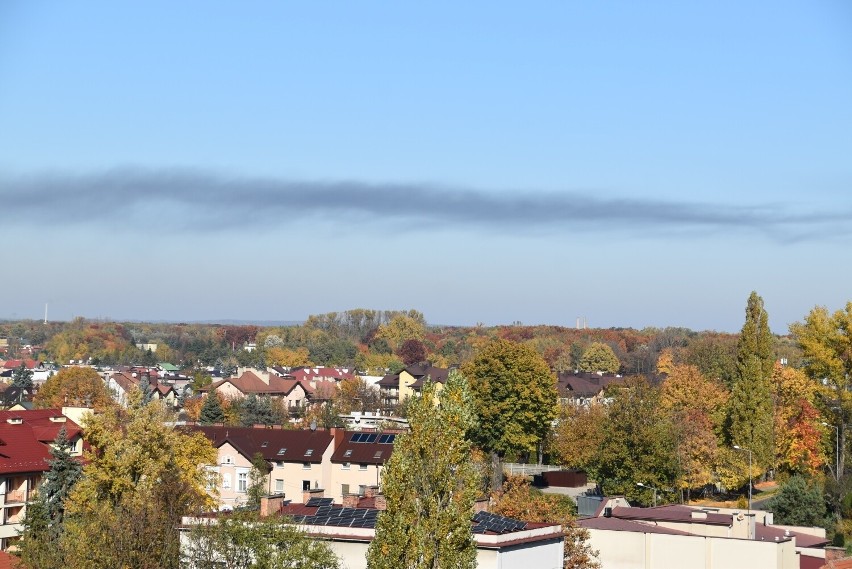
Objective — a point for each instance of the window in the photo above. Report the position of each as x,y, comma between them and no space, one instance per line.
282,451
242,481
348,453
344,489
228,459
279,485
264,444
306,466
309,452
378,454
362,489
306,485
226,481
362,467
346,465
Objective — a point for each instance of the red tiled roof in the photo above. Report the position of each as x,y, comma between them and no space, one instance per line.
24,446
14,364
8,561
269,442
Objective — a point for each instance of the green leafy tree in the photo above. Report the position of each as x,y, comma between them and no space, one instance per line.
638,445
800,503
514,395
244,541
22,377
430,483
211,411
599,357
750,406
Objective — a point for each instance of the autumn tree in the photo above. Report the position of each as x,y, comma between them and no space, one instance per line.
430,483
412,351
750,407
826,342
402,327
640,445
579,434
356,395
599,357
140,478
75,387
517,500
798,423
287,357
514,394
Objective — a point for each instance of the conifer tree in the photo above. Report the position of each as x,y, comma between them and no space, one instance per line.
22,378
430,483
211,411
750,411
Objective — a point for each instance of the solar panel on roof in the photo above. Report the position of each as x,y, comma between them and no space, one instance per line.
371,438
387,439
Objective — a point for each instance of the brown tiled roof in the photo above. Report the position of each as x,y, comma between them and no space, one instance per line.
374,452
583,384
249,382
269,442
390,380
422,373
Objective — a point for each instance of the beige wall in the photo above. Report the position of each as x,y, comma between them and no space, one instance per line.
634,550
353,476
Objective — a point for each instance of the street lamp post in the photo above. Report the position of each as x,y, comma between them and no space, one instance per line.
749,474
836,449
649,488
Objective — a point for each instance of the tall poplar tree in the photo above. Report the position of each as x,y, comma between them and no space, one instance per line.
750,406
430,483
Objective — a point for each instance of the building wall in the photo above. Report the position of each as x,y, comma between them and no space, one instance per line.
353,476
634,550
230,465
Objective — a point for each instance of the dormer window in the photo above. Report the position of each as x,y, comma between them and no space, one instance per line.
282,450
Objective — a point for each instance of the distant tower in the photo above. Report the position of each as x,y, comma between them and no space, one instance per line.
45,313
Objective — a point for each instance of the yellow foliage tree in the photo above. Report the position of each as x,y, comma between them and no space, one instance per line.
288,357
140,478
798,425
74,387
579,434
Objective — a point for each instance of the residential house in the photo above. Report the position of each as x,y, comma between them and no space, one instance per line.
684,537
122,383
396,388
296,394
41,370
297,459
25,441
583,389
336,461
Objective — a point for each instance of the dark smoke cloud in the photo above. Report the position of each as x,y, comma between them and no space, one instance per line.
203,201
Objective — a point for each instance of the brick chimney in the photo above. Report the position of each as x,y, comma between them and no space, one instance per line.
270,504
480,505
380,502
315,493
351,500
371,491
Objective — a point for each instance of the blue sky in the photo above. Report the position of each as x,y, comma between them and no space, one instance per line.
636,163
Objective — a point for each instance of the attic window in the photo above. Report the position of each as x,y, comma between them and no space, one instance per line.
282,451
378,454
309,452
264,444
14,420
347,454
